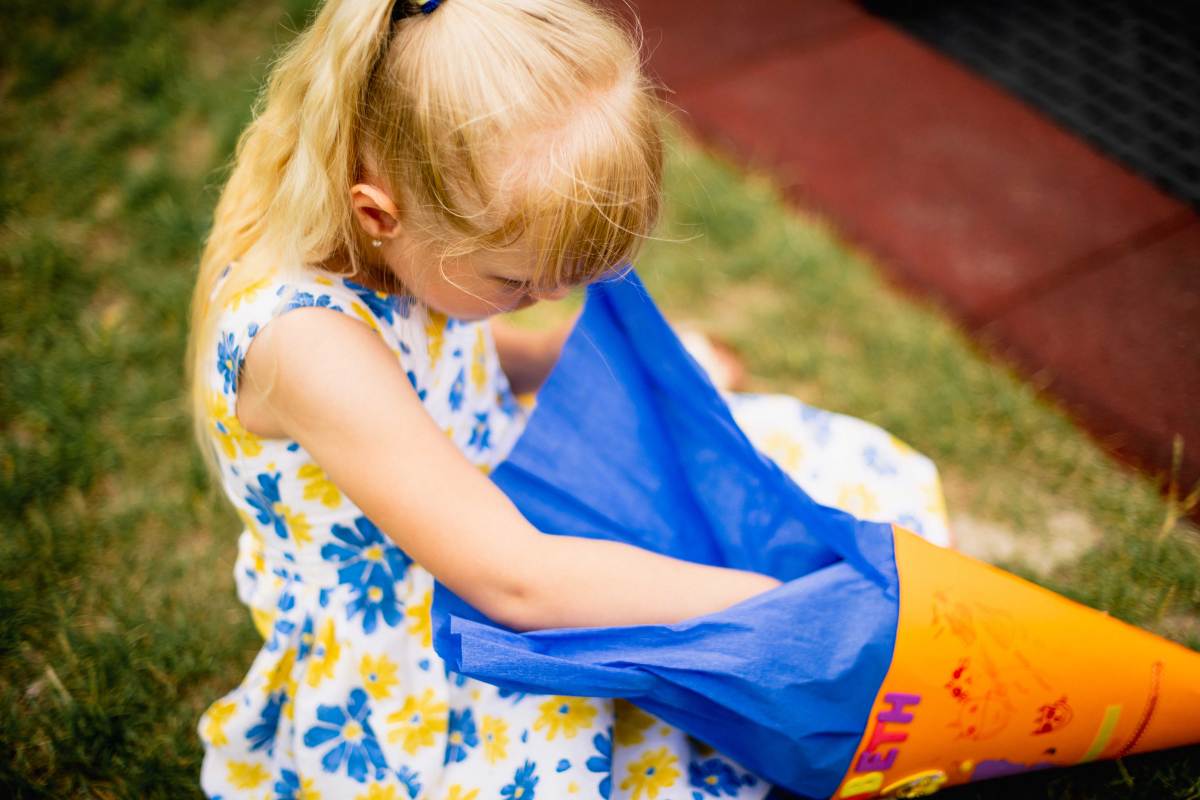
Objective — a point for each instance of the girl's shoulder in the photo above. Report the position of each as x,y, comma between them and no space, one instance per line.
252,302
259,298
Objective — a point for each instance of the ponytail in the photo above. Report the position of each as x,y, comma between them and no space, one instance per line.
286,200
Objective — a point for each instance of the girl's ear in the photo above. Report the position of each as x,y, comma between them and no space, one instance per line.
375,211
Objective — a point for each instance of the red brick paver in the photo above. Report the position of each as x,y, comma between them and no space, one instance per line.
1120,345
1076,269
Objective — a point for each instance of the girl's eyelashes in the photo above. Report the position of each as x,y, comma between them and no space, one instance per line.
511,283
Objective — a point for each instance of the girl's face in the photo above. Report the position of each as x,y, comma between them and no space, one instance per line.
466,287
470,287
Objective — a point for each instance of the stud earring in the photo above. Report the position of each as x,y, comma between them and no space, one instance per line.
376,242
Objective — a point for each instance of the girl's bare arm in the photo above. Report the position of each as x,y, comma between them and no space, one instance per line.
342,395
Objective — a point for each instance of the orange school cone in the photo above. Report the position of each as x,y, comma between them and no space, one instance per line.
992,675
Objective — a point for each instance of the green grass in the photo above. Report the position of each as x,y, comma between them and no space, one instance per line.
118,620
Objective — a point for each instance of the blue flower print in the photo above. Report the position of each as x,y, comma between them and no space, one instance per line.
602,763
507,402
461,735
262,735
306,640
264,499
819,421
411,780
412,378
455,678
371,565
367,558
523,784
229,359
306,300
349,729
281,633
481,433
282,628
458,389
288,786
516,697
877,462
912,523
714,776
385,306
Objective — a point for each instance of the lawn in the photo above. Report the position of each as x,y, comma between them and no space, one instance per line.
118,620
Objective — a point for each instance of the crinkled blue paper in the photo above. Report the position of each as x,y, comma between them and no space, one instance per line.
631,441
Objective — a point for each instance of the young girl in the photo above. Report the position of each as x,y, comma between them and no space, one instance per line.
413,170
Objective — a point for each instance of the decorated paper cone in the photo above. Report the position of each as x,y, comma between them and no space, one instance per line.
993,675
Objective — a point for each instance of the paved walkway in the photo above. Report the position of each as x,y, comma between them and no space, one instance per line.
1083,275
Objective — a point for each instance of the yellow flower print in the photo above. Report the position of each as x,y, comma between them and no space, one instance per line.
307,792
457,792
902,448
786,450
379,676
283,676
317,486
297,523
415,724
654,771
422,625
257,549
230,434
858,500
935,501
631,723
247,776
280,675
565,714
377,791
213,729
479,361
361,312
325,654
255,533
246,294
435,331
264,621
494,731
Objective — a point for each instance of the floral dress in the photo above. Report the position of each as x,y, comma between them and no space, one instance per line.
347,698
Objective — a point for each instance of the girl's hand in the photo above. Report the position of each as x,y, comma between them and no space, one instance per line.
527,356
334,386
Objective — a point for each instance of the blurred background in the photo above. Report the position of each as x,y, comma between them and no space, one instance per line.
971,223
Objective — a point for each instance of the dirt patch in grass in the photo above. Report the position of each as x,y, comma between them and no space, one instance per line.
1068,535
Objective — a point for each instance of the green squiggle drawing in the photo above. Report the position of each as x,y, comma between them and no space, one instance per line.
1107,725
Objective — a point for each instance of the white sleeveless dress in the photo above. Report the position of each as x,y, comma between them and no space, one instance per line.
347,698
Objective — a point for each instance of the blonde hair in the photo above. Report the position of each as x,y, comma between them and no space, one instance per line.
490,121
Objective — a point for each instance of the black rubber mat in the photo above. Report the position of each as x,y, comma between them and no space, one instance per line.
1124,75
